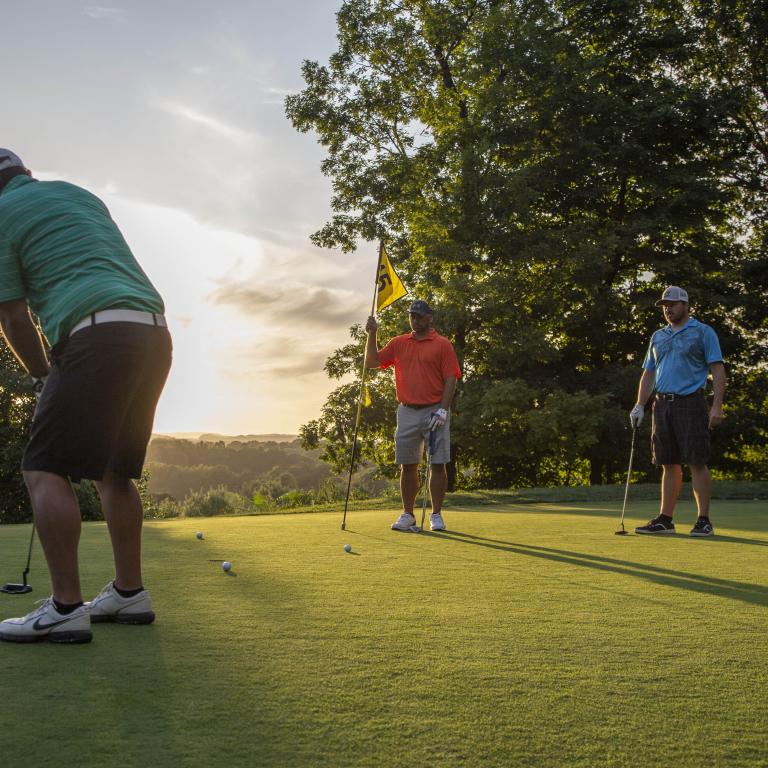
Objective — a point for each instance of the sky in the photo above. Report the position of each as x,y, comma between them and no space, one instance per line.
172,112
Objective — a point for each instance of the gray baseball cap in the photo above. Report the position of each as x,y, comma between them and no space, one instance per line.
673,293
10,160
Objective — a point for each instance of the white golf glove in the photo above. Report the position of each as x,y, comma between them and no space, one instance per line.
439,418
636,416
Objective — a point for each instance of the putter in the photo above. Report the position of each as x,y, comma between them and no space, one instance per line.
622,532
22,589
430,451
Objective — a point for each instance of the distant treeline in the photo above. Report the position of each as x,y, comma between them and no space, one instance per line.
270,469
216,437
179,467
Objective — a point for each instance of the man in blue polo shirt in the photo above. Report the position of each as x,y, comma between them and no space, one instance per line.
679,359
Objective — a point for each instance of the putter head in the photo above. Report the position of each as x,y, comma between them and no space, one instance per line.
622,532
15,589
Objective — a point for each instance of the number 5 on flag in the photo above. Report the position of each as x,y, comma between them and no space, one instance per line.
391,287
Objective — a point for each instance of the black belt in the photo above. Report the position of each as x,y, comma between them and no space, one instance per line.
423,405
671,396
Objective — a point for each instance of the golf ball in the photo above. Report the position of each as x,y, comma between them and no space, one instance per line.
199,534
226,565
347,547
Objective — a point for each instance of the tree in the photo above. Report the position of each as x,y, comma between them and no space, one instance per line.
540,170
17,403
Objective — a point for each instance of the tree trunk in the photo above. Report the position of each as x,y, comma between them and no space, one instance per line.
595,472
450,468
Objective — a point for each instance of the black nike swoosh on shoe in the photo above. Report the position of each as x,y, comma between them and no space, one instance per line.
38,627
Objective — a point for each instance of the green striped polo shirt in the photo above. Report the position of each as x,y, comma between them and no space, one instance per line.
61,251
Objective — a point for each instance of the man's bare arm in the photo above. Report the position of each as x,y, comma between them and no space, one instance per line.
449,389
718,385
22,337
372,352
647,381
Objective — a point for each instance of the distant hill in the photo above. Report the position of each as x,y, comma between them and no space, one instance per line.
213,437
270,465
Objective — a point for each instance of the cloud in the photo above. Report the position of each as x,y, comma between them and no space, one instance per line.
285,356
298,369
102,12
306,305
275,96
257,72
219,127
277,91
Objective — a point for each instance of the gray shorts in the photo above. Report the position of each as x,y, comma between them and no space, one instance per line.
413,429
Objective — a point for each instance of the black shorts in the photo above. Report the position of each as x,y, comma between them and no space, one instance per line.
97,408
680,432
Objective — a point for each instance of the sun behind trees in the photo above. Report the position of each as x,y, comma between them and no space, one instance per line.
540,171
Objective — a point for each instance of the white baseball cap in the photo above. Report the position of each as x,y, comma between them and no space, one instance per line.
673,293
10,160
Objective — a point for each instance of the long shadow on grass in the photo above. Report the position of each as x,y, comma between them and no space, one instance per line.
738,540
735,590
542,508
747,517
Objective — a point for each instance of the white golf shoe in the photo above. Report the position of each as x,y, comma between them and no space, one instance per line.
46,623
436,522
406,522
110,605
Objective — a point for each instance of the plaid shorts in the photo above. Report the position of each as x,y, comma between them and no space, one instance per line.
680,432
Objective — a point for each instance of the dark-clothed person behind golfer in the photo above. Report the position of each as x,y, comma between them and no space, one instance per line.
679,359
426,372
63,258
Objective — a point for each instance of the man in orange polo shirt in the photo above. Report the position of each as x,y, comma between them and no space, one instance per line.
426,372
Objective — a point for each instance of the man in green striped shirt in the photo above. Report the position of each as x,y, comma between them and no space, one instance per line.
64,261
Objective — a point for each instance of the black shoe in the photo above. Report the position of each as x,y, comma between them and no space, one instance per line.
657,525
702,528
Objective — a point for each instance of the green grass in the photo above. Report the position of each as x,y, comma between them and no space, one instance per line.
529,636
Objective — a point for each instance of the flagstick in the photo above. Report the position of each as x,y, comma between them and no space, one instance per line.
361,394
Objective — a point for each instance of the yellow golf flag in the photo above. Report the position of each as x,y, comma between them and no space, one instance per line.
391,287
368,402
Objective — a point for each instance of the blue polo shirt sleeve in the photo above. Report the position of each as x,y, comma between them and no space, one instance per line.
712,351
649,364
11,280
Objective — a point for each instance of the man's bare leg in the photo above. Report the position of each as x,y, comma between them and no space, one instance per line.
57,518
124,514
701,480
409,485
438,484
671,481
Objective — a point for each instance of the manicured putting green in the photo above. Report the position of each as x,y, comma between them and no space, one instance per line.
526,636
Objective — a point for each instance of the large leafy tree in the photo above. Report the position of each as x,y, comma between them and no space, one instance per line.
541,169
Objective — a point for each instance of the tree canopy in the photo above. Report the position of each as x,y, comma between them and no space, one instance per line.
540,170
